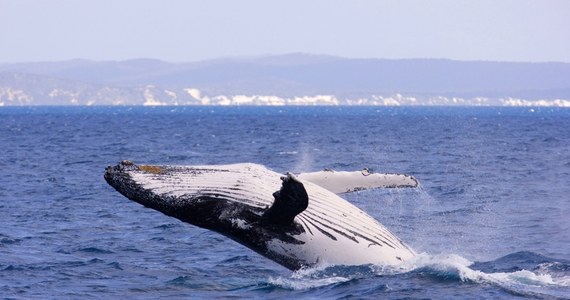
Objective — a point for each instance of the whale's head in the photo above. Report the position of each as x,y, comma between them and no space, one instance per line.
220,199
172,192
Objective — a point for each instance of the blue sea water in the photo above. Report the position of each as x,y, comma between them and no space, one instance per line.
491,218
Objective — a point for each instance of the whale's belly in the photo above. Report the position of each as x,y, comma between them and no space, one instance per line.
338,233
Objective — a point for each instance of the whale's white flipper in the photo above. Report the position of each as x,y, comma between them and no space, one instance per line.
340,182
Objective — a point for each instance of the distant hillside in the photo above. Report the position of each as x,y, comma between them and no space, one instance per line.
286,79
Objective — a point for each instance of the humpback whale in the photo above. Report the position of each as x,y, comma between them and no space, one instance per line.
296,221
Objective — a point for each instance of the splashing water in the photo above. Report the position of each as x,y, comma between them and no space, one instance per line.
440,269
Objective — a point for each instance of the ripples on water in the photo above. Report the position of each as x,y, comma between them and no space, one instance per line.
494,191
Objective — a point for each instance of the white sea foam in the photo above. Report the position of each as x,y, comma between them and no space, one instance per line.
304,284
447,267
456,265
541,281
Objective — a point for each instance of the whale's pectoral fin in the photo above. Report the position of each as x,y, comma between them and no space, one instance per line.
290,200
346,182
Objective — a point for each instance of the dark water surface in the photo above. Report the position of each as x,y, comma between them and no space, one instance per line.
492,218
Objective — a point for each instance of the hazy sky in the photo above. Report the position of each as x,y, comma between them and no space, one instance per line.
186,30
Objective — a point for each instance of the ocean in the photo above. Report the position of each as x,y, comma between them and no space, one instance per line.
491,218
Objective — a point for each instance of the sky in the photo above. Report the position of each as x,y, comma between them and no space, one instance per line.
189,30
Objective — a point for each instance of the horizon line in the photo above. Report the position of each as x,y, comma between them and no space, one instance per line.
246,58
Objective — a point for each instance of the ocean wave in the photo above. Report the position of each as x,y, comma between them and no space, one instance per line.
456,267
548,277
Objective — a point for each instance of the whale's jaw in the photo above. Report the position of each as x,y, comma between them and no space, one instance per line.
121,178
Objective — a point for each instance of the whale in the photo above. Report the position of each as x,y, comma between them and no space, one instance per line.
298,221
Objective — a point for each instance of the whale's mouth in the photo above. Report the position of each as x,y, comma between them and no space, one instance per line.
120,177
